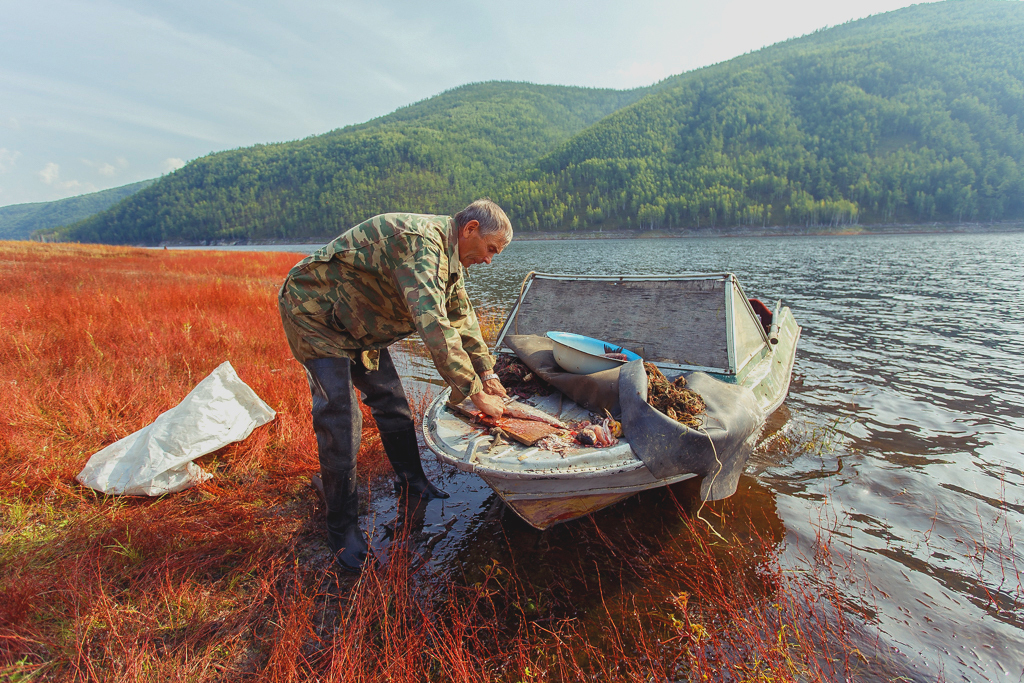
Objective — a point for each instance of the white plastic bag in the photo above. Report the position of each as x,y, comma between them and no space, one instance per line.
157,459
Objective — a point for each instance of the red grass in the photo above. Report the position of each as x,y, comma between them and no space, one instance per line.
226,581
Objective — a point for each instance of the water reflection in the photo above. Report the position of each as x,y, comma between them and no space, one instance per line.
625,544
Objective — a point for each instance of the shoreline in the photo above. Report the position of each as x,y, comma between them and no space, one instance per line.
786,231
776,231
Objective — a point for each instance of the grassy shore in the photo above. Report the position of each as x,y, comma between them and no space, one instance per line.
227,581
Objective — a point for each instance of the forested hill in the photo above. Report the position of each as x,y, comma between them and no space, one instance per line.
428,157
914,115
19,221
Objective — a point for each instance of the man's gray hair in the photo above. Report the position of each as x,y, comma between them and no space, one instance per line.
490,217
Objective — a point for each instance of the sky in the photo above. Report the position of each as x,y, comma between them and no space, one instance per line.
99,93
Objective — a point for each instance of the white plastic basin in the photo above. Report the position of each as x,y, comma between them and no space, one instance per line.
583,355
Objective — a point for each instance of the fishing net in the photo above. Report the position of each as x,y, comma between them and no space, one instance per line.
673,398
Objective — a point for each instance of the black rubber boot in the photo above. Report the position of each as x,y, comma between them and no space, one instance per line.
404,454
337,422
344,536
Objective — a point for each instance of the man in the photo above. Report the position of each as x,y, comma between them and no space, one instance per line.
341,307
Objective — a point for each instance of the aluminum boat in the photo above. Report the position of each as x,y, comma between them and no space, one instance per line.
682,324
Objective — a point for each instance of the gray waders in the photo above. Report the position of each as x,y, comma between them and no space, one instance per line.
338,423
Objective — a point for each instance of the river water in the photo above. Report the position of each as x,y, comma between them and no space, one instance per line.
910,376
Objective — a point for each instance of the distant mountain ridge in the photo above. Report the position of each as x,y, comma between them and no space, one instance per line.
19,221
428,157
913,115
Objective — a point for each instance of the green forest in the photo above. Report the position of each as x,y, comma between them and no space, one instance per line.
19,221
429,157
915,115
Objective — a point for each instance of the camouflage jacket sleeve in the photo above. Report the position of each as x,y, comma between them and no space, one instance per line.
421,277
463,318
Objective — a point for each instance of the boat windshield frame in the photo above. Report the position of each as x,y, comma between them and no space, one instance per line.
737,364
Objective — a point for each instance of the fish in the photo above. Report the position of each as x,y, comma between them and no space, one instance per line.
524,412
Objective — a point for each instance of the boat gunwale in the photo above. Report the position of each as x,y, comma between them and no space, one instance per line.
772,407
628,490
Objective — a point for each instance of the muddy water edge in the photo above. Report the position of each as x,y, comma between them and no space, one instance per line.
896,460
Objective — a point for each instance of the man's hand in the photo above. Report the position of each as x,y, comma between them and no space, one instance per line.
495,388
488,405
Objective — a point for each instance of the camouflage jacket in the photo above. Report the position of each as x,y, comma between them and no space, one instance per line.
384,279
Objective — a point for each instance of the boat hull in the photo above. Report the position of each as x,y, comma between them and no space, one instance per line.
542,503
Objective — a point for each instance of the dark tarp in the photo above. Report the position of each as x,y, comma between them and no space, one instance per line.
719,452
668,448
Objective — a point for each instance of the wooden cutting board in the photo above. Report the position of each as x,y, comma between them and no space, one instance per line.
526,432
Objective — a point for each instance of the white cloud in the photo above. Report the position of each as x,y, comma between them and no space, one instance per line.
7,159
172,164
51,176
105,168
50,173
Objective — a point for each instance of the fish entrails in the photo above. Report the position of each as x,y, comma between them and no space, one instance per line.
600,434
519,379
